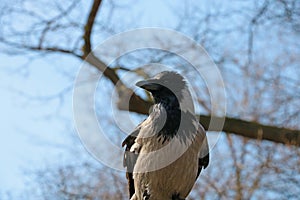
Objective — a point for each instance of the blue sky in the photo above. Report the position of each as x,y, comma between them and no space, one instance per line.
27,139
33,126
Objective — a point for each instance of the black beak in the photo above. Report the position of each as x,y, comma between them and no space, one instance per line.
150,85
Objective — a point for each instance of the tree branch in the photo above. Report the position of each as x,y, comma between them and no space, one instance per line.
89,27
39,48
125,94
252,130
130,101
256,130
136,104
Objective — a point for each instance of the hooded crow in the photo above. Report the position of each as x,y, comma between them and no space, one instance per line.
166,152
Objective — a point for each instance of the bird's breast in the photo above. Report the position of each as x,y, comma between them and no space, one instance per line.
166,169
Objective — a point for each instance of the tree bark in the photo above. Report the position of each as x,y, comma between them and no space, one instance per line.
253,130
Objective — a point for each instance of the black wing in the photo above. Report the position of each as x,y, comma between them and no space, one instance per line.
203,160
202,163
130,158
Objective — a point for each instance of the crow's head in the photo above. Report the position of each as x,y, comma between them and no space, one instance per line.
168,88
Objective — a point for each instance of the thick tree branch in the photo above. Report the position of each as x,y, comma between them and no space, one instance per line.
89,27
240,127
88,56
126,94
256,130
128,100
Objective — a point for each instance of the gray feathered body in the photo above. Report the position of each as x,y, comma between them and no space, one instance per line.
165,154
176,162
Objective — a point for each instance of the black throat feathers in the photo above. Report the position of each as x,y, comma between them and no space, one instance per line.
170,103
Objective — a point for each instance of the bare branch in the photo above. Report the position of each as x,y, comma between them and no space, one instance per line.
248,129
89,27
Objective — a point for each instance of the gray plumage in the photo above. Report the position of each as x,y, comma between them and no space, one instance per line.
165,153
